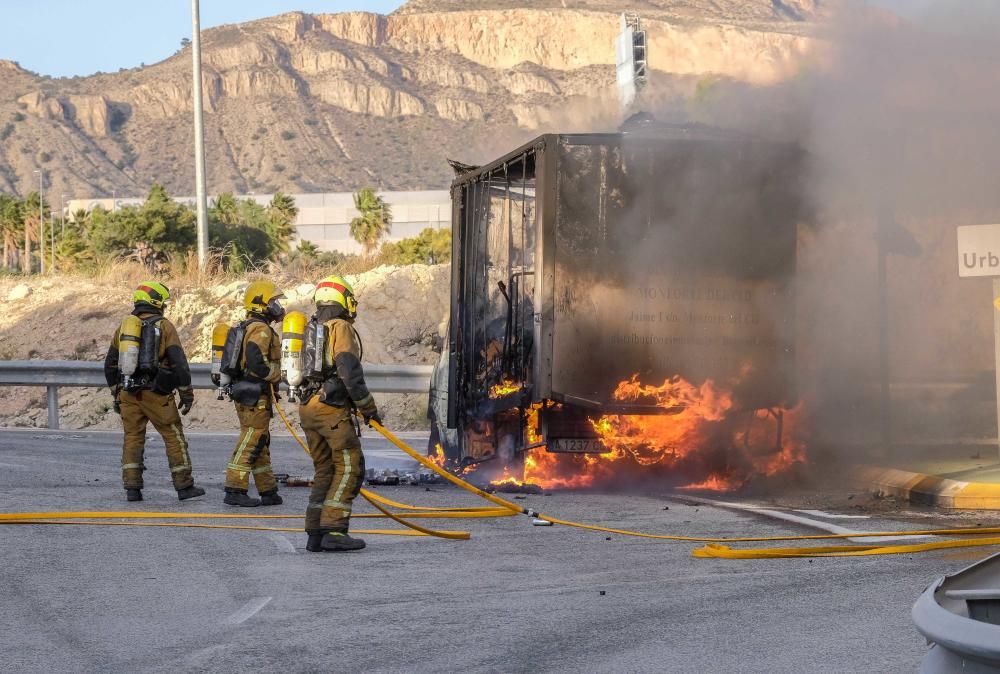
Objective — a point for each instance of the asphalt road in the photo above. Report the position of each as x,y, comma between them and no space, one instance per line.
516,598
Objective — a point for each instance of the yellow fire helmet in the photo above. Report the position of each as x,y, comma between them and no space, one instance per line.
335,290
152,293
263,297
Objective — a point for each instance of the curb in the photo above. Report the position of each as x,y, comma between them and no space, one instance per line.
932,490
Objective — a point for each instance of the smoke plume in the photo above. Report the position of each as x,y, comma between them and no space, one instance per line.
899,119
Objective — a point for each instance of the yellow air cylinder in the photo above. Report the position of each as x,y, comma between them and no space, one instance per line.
292,334
129,335
218,344
222,380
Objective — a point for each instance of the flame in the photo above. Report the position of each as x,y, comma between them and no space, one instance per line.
504,388
506,479
438,456
443,461
713,483
702,441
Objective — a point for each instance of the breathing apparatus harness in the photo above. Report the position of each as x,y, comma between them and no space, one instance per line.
233,381
317,372
139,349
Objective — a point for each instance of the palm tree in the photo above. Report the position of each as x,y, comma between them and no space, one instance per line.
81,217
374,221
31,219
226,209
10,227
282,212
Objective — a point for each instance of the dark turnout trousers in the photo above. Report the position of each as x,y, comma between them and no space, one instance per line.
252,454
338,462
138,410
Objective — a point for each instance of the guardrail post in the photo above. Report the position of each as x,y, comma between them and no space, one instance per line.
53,395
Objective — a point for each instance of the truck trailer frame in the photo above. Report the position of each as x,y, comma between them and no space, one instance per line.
579,260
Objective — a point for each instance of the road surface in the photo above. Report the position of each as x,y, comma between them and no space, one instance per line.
516,598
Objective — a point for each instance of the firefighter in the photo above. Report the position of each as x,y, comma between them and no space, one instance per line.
260,366
331,395
152,365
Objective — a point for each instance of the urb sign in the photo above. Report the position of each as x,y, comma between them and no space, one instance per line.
979,250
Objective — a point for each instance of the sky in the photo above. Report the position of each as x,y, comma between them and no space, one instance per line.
63,38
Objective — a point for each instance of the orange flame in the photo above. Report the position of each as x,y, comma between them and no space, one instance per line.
504,388
702,441
438,456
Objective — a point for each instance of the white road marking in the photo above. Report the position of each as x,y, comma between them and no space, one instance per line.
816,524
248,610
11,465
832,516
283,543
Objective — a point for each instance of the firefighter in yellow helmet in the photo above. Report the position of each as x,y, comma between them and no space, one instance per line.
260,366
334,389
143,387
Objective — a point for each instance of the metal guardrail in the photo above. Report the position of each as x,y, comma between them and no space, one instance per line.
54,374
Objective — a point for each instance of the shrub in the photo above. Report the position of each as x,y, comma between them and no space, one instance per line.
431,246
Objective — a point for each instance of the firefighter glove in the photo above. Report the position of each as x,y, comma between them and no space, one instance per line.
368,409
186,394
371,414
115,390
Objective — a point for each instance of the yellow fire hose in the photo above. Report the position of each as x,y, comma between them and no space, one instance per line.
505,508
713,549
378,501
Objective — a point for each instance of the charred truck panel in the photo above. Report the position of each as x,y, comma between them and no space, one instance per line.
582,260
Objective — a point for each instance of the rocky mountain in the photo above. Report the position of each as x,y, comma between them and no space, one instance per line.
327,102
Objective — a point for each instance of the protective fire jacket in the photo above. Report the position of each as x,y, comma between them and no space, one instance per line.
260,362
342,356
261,352
173,370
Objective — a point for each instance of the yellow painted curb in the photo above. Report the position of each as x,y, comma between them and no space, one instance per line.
932,490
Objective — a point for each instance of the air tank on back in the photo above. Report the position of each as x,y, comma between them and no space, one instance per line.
218,344
129,335
292,333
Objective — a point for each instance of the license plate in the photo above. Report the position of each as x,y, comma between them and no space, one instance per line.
577,445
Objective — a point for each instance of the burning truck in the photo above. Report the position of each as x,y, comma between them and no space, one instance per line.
623,304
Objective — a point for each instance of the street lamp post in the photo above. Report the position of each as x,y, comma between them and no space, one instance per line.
199,137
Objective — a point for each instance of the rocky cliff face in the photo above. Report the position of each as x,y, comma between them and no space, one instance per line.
305,102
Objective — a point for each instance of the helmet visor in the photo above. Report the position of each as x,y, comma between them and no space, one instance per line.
275,308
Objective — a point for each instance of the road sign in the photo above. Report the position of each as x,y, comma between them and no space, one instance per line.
979,256
978,251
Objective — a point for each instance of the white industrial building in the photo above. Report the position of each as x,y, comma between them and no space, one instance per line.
324,219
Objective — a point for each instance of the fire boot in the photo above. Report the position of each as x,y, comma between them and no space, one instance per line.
133,495
238,497
189,492
315,541
270,498
339,541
